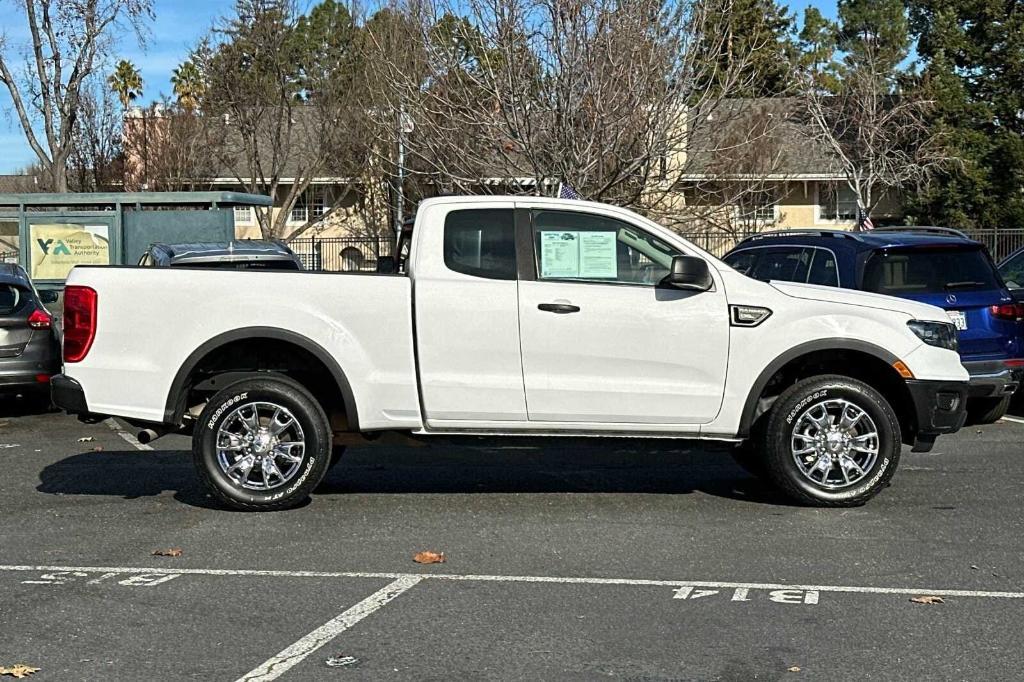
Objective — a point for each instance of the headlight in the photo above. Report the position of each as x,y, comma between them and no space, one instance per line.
941,334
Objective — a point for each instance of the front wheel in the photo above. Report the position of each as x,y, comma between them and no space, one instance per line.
262,445
832,441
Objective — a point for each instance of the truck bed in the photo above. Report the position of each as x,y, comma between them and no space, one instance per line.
151,320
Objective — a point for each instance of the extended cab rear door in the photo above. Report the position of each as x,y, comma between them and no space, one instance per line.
602,343
466,307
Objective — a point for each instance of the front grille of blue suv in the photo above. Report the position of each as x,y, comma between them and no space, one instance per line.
939,266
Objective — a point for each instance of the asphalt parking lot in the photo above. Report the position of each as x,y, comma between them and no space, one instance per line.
564,561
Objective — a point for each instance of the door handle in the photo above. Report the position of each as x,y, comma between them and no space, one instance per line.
560,308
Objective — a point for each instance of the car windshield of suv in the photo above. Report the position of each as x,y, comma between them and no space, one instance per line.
929,271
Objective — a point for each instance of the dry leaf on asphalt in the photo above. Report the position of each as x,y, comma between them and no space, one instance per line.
86,439
428,557
174,551
927,599
794,669
20,671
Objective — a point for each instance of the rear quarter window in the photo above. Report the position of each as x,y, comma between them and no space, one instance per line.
481,243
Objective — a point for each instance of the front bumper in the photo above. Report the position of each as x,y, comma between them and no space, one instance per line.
992,379
940,407
67,394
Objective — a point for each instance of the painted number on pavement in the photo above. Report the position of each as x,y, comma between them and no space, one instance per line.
745,594
133,580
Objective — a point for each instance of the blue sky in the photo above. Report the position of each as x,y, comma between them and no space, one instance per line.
177,27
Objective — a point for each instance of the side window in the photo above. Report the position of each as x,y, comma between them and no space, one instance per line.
1013,272
742,261
785,264
823,269
481,243
592,248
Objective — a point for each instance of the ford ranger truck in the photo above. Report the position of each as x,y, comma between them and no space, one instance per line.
505,317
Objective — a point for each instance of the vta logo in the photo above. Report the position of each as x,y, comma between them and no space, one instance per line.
61,249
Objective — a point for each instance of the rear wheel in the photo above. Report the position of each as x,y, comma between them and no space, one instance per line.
987,410
831,441
262,445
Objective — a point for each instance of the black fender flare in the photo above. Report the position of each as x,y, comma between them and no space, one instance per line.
750,406
174,408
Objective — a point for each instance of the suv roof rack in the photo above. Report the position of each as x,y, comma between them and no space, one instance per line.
925,229
805,232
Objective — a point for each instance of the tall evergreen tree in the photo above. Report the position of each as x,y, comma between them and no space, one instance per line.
752,42
972,52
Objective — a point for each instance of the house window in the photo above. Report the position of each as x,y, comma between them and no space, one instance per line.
758,206
838,202
311,203
243,214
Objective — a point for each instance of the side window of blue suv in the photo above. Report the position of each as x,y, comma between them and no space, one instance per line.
824,269
787,264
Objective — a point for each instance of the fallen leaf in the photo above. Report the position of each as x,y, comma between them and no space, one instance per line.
428,557
86,439
20,671
794,669
927,599
174,551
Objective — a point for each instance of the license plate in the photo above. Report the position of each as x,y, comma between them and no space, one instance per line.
959,318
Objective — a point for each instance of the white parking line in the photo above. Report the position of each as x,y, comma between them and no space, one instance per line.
278,665
1015,420
132,440
565,580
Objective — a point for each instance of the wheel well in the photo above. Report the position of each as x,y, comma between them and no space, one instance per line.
855,364
255,357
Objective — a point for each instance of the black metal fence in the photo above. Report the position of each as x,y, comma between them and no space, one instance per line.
341,254
1001,243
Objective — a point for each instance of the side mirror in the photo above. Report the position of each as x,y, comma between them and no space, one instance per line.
689,273
49,296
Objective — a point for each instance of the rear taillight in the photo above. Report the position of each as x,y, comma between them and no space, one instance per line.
1008,311
39,319
79,322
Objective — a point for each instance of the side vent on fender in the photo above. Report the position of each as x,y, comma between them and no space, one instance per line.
748,315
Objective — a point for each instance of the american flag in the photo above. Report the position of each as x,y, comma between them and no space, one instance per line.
567,192
863,219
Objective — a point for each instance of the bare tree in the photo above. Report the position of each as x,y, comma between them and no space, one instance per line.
281,96
877,133
527,94
68,39
96,161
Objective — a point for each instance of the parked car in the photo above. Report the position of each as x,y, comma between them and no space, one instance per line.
1012,271
939,266
515,316
29,349
243,254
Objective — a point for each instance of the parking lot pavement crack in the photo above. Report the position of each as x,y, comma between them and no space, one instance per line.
277,665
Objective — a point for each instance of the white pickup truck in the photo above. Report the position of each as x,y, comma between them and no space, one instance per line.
512,316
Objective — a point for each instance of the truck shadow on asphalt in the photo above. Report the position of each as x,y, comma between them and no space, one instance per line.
389,470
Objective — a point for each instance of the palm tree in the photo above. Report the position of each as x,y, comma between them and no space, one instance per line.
126,81
188,85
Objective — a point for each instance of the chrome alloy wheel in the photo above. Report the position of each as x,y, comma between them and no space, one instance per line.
835,443
260,446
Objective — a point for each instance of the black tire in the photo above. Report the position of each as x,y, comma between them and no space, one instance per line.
784,420
987,410
316,436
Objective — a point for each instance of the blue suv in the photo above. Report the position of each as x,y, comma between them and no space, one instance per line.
939,266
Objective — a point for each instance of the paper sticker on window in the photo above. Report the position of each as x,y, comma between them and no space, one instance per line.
582,255
559,254
597,255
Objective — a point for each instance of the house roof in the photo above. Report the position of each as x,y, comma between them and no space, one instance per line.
759,138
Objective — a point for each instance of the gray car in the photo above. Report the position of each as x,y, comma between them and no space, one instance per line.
243,254
29,349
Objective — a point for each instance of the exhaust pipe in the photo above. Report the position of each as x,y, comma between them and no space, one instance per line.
146,436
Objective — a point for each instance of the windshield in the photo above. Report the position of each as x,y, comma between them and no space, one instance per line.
929,271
